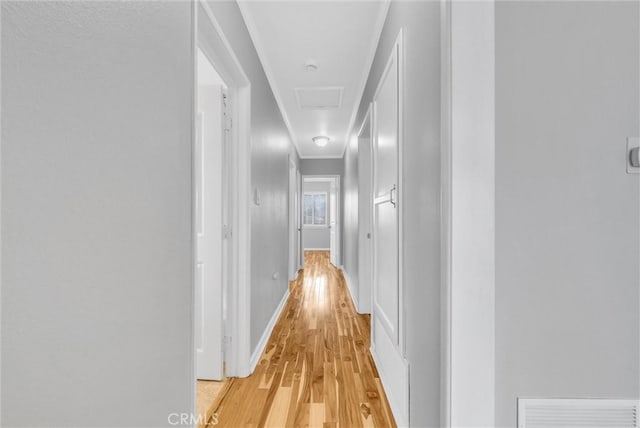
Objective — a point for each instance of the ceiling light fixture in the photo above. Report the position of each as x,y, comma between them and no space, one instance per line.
321,141
311,65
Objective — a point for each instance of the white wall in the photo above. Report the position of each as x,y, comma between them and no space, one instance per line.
96,213
567,214
421,23
271,147
316,237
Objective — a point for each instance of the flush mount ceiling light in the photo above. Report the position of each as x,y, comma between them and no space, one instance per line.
321,141
310,65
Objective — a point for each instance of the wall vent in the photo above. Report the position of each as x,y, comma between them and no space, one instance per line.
574,413
319,97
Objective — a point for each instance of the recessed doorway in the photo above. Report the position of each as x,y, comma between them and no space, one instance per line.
321,215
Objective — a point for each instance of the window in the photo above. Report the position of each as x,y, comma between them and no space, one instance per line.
315,209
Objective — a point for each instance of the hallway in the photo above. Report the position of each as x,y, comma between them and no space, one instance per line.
316,369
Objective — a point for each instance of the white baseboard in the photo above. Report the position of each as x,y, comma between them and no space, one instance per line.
347,279
317,249
257,353
394,374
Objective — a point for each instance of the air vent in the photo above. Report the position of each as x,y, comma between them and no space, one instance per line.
574,413
319,98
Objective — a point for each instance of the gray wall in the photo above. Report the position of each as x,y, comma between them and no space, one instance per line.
321,166
96,213
271,147
567,246
421,23
314,236
96,209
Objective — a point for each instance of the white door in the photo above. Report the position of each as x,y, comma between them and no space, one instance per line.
387,315
333,221
209,232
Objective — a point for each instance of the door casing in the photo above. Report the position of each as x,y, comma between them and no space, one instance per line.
365,213
209,37
335,252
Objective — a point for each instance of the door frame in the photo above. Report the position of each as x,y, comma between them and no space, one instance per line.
366,126
467,290
299,249
338,217
207,35
294,199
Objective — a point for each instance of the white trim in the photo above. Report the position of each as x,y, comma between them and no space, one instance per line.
347,279
211,39
316,249
292,217
192,230
257,43
471,150
375,40
322,157
445,214
368,116
322,179
368,242
192,398
399,405
266,334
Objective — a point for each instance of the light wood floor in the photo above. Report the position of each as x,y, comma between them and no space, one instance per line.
208,396
316,370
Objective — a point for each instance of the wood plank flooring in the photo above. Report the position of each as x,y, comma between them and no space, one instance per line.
316,370
209,393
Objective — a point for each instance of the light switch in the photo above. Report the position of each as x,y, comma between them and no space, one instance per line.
633,155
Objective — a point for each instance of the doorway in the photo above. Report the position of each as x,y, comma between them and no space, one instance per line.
221,221
294,220
321,215
211,214
365,211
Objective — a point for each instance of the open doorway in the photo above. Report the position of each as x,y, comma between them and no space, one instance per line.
221,220
365,212
211,212
294,220
320,215
211,215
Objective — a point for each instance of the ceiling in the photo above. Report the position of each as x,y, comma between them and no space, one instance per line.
340,37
